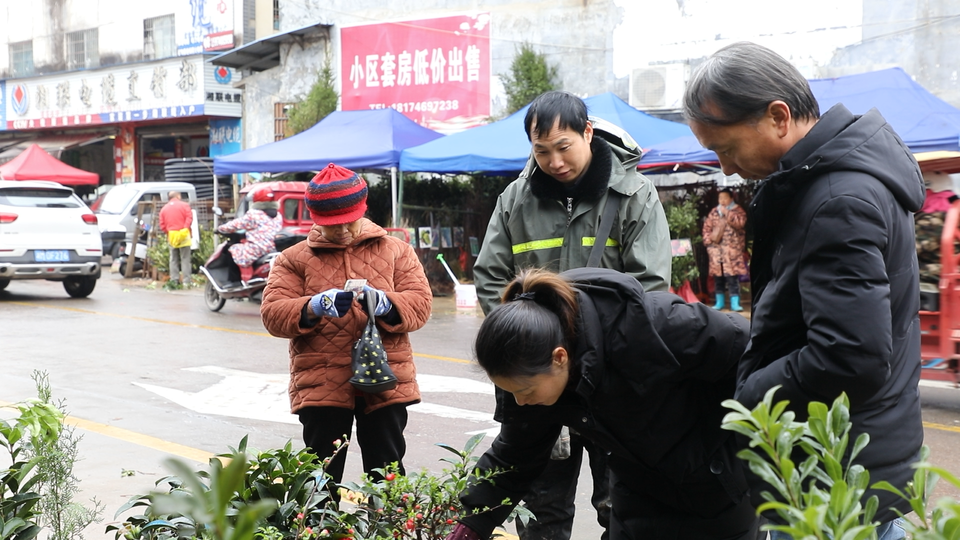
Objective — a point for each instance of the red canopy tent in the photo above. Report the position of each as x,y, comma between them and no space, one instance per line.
35,163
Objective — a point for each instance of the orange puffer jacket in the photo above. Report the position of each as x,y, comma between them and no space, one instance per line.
320,355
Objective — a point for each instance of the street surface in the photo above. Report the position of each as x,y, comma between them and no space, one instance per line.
148,374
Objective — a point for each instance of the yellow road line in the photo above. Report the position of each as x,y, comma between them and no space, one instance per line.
140,439
144,319
941,427
444,358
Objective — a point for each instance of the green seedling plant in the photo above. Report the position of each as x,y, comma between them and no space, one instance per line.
421,506
38,486
287,495
199,504
820,497
943,521
19,494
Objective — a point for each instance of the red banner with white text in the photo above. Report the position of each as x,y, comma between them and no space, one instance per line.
435,71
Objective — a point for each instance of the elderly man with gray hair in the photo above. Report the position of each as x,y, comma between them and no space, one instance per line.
834,269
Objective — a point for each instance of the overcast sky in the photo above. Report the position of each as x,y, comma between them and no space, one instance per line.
805,31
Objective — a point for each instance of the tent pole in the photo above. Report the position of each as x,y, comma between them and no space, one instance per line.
393,194
399,198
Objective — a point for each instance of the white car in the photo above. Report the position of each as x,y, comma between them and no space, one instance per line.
47,232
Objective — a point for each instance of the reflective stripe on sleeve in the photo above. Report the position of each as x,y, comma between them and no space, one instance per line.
537,244
589,241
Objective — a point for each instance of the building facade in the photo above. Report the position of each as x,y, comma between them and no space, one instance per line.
574,35
119,87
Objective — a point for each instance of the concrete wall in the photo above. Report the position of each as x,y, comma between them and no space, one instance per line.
575,35
263,15
286,83
921,36
120,25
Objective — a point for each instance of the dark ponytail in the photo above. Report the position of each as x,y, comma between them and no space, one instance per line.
538,314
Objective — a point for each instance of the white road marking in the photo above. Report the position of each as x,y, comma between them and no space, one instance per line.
263,396
938,384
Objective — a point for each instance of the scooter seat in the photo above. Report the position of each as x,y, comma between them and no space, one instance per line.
262,260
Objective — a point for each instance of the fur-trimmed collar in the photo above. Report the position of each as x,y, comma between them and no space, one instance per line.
591,186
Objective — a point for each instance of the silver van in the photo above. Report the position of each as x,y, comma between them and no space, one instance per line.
117,212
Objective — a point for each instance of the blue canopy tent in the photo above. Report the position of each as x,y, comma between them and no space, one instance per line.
499,147
681,153
502,147
925,122
353,139
929,126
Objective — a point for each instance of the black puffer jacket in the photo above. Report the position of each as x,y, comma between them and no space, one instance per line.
648,377
836,293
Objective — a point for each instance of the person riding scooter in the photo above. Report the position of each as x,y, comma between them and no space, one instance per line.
261,223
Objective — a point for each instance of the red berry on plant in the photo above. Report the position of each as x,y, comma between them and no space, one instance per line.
390,477
449,522
410,524
419,515
300,515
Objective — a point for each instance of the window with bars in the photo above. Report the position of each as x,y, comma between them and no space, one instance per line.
21,58
83,49
280,120
276,14
159,40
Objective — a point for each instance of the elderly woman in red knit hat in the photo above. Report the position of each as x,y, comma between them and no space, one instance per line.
305,302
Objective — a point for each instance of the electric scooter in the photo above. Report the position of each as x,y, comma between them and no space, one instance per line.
223,275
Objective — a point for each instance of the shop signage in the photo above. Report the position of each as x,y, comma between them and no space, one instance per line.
435,71
171,88
203,25
225,137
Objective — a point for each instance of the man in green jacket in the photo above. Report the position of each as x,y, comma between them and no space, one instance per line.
549,218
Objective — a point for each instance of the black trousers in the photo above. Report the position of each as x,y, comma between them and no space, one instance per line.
644,516
552,496
379,435
731,283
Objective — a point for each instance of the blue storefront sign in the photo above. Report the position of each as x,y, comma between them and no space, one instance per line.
225,137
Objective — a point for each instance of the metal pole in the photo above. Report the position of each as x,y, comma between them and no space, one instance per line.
393,195
399,198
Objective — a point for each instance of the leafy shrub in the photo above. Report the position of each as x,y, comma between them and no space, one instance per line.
292,498
682,222
821,498
38,487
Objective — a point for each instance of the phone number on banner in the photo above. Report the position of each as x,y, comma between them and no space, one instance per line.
432,105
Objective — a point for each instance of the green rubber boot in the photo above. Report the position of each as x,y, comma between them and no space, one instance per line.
735,303
719,305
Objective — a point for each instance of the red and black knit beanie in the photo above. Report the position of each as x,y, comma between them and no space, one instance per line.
336,196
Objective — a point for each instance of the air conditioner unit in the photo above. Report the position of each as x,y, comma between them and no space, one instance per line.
658,87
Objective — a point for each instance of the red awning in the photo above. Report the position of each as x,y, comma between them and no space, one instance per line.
35,163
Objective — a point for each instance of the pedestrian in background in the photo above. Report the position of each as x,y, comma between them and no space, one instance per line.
724,236
176,217
305,302
582,173
836,293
